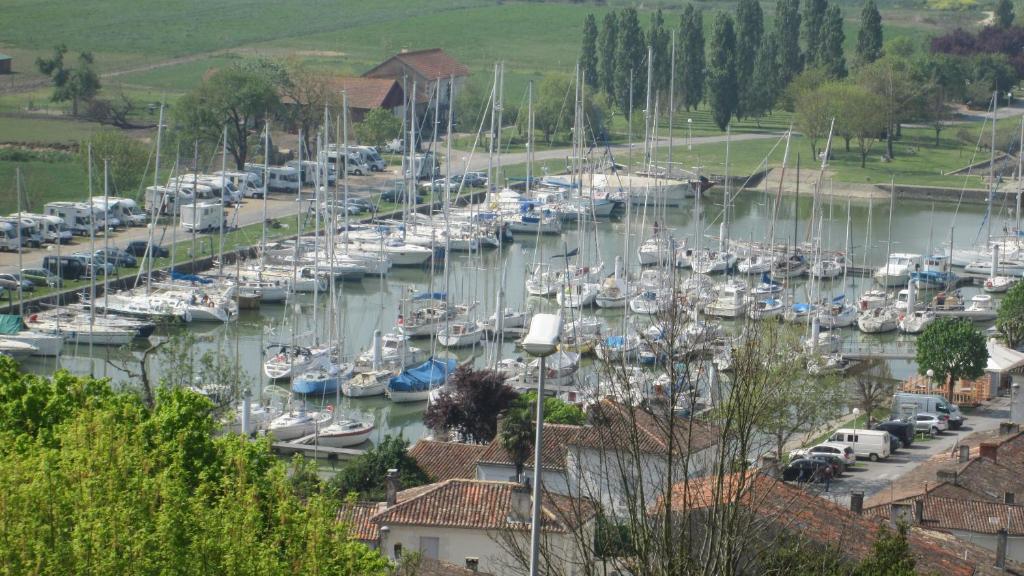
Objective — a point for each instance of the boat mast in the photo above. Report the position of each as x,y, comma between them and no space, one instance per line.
224,185
21,293
266,180
529,137
992,164
106,233
156,204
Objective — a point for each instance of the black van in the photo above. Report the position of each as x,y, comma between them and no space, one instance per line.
900,429
64,266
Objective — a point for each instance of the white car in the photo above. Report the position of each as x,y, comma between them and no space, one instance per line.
833,448
931,423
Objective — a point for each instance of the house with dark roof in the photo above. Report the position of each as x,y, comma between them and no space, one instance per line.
782,512
425,68
365,94
483,525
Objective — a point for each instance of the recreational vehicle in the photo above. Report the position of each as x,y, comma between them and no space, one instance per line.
9,237
212,187
201,216
309,172
279,178
248,184
168,201
123,209
81,218
51,228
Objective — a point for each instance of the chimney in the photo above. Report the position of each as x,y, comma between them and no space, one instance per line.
392,484
1008,498
857,502
900,512
919,511
522,504
472,564
1008,428
989,450
965,454
947,475
770,466
1001,549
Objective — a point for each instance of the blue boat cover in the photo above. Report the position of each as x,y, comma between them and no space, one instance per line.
839,299
430,374
801,307
175,275
616,341
430,296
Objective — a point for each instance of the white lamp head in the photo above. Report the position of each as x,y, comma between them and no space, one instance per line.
545,330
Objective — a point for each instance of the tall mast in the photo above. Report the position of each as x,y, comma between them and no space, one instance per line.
500,102
410,196
529,137
992,164
647,108
156,204
224,185
92,267
21,293
490,139
266,180
106,233
195,203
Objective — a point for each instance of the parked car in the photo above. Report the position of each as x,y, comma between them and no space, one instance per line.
67,267
837,463
10,281
475,179
398,194
363,203
88,261
42,277
805,470
902,402
933,424
902,430
840,450
118,257
137,248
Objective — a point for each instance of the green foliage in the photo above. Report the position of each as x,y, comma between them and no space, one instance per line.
787,33
608,43
364,476
1010,318
661,64
830,55
588,52
95,483
749,35
813,21
127,158
470,107
75,84
630,55
378,127
1004,14
890,555
953,349
869,37
767,78
517,434
858,118
722,83
690,64
556,410
956,5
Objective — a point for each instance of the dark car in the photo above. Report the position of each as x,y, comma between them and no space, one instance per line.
397,195
474,180
66,267
362,203
900,429
117,257
805,470
137,248
837,463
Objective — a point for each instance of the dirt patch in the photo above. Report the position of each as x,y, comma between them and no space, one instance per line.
321,53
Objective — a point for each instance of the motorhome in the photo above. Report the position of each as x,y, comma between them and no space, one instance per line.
871,444
9,237
353,162
309,172
930,403
201,216
124,209
82,219
208,186
168,201
51,228
107,214
282,179
31,235
425,167
372,157
248,184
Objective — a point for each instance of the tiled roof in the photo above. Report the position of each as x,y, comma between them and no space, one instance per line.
556,442
446,460
357,516
1010,452
797,511
977,516
478,505
366,93
988,480
624,427
432,63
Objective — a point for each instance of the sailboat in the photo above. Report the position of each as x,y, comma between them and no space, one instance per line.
415,384
297,424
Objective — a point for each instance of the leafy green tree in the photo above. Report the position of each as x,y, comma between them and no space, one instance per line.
365,474
517,435
767,78
869,37
830,55
890,77
690,62
1004,14
858,112
1010,318
75,84
890,555
953,349
237,97
749,34
607,44
556,410
630,55
588,53
470,107
472,405
661,66
378,127
815,109
813,21
721,78
787,34
127,158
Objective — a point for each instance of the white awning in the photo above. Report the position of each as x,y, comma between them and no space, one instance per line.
1002,359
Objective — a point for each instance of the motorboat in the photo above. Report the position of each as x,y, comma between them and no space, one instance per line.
731,301
365,384
460,334
765,308
980,309
289,360
16,350
414,384
341,433
896,272
935,275
296,424
1011,266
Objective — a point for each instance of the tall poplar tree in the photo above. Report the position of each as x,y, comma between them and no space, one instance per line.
831,56
869,37
659,40
749,32
787,34
629,61
767,77
607,44
690,57
813,20
588,52
1004,14
721,77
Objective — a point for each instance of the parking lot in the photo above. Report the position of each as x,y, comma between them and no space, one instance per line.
873,477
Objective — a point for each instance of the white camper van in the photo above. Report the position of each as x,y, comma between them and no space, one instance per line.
31,235
371,157
212,187
871,444
201,216
81,218
51,228
248,184
9,237
123,209
162,198
282,179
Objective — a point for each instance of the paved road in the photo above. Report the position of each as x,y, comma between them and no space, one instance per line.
874,477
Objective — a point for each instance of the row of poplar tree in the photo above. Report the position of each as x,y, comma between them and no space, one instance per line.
743,70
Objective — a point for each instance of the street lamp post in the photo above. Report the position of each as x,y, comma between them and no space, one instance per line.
931,375
1013,388
689,133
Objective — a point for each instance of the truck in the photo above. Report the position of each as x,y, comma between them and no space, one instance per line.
202,216
902,402
82,219
51,228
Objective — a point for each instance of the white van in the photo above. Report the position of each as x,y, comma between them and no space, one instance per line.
353,162
368,155
168,201
124,209
201,216
30,234
931,403
248,184
282,179
871,444
310,169
81,218
51,228
212,186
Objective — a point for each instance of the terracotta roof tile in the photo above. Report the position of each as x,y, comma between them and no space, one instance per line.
367,93
797,511
977,516
357,516
557,439
432,63
620,426
446,460
478,505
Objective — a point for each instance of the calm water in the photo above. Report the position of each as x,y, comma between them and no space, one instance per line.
373,303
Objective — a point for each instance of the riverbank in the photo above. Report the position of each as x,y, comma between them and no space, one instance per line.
790,185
